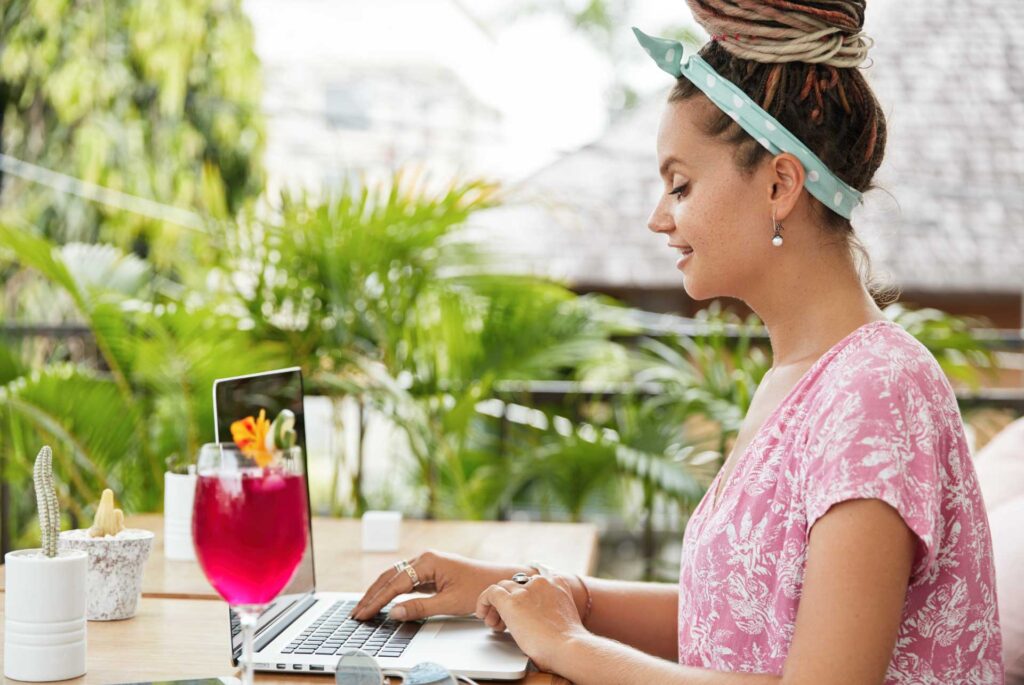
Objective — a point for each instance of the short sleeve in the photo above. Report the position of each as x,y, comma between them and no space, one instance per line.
879,434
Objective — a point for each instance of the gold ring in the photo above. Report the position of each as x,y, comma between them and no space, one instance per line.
409,571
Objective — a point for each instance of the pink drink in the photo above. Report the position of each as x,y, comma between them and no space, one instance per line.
250,532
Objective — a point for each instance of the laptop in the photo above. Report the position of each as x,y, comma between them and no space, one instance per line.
304,628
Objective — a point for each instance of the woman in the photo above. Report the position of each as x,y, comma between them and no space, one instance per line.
844,539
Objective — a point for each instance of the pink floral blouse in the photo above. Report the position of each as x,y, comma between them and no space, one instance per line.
874,418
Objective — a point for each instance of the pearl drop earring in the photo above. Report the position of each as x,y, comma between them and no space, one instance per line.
777,238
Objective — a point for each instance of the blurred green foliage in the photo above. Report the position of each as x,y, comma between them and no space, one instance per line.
155,99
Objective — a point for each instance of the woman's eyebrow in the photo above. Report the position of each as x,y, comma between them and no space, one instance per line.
669,161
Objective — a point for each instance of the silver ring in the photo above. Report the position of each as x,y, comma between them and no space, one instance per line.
521,578
405,566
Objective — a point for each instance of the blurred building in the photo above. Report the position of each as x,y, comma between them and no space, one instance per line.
492,89
330,122
951,79
947,225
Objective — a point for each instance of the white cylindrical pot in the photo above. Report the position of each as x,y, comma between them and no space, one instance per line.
115,570
44,615
179,493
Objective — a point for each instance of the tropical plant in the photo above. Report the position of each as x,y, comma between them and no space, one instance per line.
116,418
374,287
692,393
467,334
565,467
953,340
717,369
158,100
335,279
96,280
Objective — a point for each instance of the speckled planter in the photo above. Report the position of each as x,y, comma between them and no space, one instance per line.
115,570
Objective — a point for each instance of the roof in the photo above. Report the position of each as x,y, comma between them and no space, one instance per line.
950,77
949,214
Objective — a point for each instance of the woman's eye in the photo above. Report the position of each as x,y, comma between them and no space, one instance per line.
678,190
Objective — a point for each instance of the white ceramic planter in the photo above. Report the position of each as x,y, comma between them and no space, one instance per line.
115,570
44,615
179,493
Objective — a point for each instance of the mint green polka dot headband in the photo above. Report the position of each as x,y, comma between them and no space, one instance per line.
832,191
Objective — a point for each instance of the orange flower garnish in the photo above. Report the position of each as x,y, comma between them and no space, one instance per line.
251,437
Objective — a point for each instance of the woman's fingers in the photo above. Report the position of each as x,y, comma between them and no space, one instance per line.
493,621
492,597
421,607
372,593
392,583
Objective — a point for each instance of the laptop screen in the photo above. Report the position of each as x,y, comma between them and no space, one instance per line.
236,398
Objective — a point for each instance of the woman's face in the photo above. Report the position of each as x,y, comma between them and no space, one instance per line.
707,205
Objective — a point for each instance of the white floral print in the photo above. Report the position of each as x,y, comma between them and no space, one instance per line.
875,418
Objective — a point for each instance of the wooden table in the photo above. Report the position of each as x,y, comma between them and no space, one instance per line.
182,638
180,630
342,566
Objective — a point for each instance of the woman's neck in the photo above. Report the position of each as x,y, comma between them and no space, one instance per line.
810,306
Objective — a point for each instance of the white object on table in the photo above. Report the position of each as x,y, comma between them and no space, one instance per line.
179,493
44,615
381,531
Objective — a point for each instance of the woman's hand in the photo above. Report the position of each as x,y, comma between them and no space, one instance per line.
455,581
541,616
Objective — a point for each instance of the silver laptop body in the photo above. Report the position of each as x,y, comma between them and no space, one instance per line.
303,629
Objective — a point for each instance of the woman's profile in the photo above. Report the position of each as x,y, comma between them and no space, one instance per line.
844,539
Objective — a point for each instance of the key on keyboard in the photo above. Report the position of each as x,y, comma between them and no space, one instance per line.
334,630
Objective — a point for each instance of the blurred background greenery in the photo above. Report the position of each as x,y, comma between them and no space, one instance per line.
503,395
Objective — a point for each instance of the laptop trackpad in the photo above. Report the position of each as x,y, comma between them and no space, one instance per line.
472,637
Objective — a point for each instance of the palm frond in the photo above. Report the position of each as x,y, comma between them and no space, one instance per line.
85,415
958,350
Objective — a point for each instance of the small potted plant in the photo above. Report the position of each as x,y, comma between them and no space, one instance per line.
179,493
44,601
117,556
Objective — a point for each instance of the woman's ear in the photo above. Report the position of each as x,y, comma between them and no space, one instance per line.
787,183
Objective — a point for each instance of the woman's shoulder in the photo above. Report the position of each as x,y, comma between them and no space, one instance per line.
887,363
885,382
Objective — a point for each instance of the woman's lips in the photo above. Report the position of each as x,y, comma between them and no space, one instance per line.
686,252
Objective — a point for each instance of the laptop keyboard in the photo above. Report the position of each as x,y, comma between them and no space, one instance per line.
334,630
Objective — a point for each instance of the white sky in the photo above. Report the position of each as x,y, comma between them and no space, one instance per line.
544,77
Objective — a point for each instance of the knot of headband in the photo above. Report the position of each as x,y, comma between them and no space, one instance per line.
820,182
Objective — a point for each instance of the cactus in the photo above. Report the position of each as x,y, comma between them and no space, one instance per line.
46,501
108,521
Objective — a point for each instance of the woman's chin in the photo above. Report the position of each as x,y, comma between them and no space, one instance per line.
698,291
699,286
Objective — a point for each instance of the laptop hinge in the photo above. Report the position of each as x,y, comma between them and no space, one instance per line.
277,626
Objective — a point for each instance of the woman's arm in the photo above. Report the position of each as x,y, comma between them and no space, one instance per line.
597,659
855,583
641,615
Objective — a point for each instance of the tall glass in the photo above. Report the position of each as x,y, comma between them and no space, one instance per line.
249,525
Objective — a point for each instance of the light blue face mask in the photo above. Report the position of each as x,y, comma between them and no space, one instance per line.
832,191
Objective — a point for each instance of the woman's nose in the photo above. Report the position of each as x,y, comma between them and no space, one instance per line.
660,221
